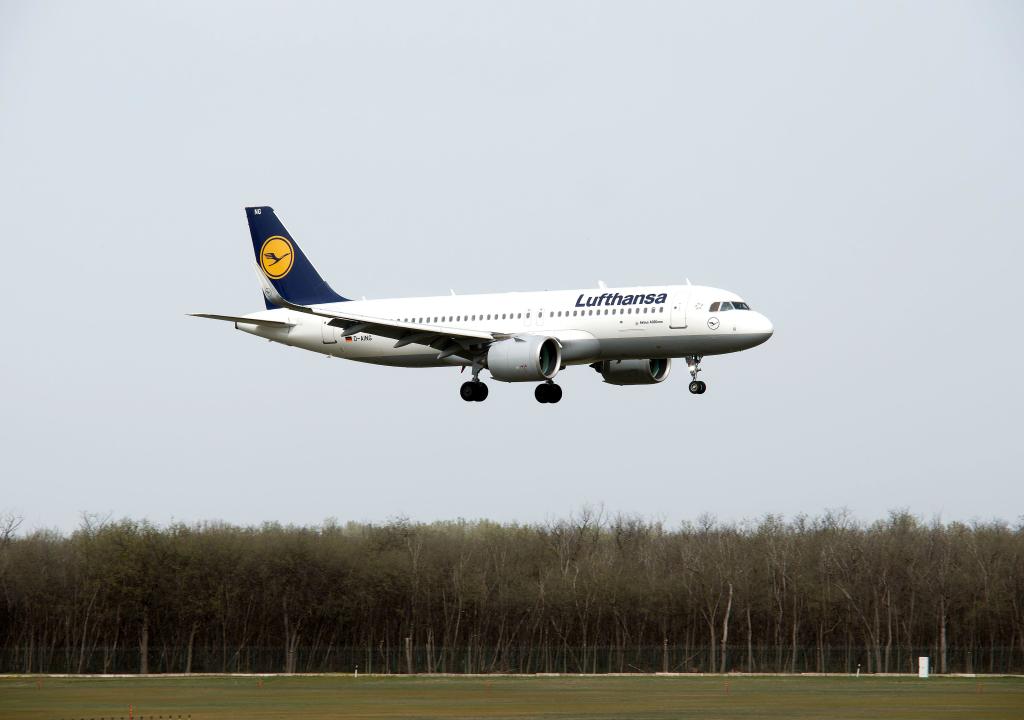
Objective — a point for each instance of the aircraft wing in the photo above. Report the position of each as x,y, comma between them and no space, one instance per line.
446,340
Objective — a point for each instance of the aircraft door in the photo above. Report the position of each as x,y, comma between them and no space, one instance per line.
677,319
328,333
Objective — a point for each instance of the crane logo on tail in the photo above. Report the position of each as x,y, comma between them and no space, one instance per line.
276,257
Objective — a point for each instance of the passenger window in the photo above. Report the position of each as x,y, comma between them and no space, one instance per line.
519,316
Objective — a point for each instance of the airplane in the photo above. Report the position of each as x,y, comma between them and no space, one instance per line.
629,335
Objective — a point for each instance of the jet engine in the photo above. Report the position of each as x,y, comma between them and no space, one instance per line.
634,372
526,358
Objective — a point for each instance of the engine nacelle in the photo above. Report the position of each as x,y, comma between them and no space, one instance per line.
634,372
526,358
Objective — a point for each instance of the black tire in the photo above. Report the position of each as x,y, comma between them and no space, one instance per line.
541,393
481,392
467,392
554,393
695,387
703,387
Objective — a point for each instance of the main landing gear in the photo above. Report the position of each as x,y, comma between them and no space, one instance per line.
548,393
474,390
697,387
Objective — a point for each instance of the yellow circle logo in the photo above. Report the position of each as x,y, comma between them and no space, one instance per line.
276,257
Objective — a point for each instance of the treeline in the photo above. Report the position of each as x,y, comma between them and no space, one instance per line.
587,594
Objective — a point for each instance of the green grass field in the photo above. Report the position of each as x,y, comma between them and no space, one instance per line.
714,698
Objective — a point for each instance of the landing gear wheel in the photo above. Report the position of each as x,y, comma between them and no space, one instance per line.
473,391
697,387
548,393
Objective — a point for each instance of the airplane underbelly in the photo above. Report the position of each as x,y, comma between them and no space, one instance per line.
662,346
409,360
382,351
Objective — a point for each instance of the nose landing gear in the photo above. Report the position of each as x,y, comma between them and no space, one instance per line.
548,393
697,387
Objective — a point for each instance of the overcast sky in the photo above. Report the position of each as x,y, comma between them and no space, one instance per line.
854,170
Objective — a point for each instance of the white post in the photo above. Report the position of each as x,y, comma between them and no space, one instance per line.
922,667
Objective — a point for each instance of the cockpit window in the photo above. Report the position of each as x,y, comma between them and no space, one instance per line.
723,306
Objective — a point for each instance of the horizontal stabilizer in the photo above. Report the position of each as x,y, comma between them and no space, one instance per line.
245,320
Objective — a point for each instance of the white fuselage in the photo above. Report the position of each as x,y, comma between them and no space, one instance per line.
591,325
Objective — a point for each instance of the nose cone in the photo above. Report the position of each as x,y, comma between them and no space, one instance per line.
762,328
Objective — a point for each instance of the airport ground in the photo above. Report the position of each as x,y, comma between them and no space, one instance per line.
564,697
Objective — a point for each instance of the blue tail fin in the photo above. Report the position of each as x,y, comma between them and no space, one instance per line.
283,262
